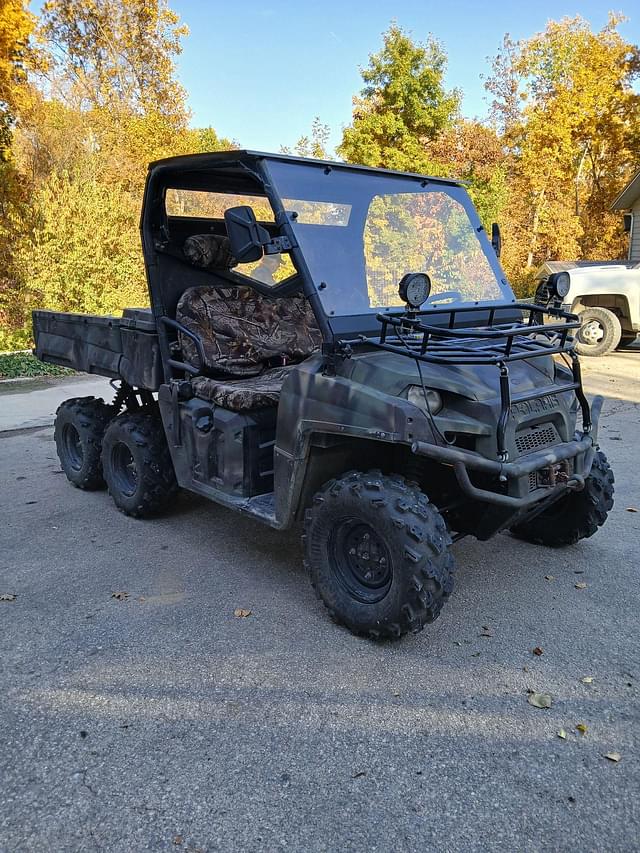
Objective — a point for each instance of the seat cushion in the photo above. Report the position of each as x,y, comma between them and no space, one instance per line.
209,252
242,331
239,395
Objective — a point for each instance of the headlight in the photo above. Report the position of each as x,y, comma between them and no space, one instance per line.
416,396
559,284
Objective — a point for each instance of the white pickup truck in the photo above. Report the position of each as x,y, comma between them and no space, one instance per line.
607,298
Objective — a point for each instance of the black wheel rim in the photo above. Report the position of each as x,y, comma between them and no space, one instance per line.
360,560
125,472
72,446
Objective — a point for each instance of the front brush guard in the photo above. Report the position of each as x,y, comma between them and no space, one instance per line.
581,450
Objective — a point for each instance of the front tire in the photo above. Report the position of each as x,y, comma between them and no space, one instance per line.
79,428
576,516
137,465
378,554
600,332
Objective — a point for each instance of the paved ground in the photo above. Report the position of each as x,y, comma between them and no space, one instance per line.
33,402
162,722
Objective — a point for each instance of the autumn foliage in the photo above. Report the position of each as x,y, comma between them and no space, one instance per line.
89,95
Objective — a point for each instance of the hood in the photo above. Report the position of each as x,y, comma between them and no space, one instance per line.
392,373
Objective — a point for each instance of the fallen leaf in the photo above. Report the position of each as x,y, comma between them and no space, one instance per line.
580,585
177,840
632,509
562,734
240,613
395,692
359,774
538,651
7,596
540,700
549,578
120,595
613,756
581,728
588,679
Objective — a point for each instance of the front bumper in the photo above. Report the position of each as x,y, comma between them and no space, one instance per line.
581,451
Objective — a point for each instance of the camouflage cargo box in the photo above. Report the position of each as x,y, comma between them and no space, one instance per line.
118,347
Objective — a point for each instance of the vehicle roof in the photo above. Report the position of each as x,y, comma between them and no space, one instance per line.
213,158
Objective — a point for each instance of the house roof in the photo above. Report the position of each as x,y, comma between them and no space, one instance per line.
629,195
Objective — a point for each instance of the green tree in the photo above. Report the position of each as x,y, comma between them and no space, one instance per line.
403,106
81,253
316,145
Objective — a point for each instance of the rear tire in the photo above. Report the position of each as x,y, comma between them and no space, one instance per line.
378,554
576,516
600,332
137,465
79,428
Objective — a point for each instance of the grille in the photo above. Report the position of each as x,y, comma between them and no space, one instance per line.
528,440
533,481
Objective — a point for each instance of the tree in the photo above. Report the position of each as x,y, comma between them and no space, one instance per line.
473,152
316,145
16,26
403,106
571,121
80,253
115,55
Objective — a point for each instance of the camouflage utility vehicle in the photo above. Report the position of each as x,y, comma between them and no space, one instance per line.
337,346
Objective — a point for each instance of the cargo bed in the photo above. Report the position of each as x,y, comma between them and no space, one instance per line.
118,347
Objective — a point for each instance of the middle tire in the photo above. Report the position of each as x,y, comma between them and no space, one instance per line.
378,554
137,464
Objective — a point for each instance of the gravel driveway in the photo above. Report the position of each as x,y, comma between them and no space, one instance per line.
137,712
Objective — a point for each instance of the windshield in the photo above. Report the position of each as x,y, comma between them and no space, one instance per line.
361,232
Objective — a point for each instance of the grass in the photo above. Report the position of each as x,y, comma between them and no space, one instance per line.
16,365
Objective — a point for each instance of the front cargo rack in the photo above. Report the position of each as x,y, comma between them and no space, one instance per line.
493,343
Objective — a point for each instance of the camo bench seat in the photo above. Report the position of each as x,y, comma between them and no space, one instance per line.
239,395
247,340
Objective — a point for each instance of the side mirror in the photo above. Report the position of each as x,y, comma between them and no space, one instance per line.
246,237
496,238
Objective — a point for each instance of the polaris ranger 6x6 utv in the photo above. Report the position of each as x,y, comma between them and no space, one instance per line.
337,346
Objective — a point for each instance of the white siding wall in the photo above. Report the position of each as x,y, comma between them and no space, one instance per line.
634,245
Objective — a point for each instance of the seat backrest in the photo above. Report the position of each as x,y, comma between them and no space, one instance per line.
242,331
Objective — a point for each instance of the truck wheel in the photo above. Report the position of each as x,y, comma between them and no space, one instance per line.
79,427
577,515
378,554
599,333
137,465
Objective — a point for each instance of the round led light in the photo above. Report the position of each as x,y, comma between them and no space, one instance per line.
563,283
414,288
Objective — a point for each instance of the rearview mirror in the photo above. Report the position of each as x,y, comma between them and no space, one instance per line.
246,237
496,238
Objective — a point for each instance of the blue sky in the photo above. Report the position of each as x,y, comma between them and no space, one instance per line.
259,72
